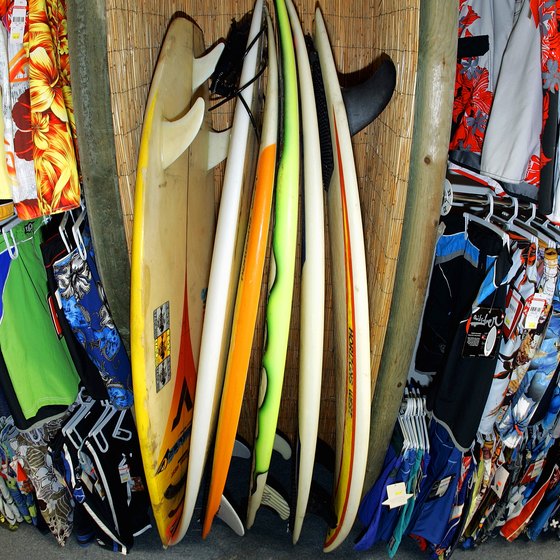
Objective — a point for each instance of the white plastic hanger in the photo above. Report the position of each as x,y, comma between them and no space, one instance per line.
485,222
76,232
532,227
62,230
7,228
510,226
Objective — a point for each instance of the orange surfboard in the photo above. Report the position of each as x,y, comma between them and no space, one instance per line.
248,291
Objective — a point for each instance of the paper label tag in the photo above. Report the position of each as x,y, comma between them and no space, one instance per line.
440,487
124,471
499,482
484,333
396,495
534,309
513,313
19,16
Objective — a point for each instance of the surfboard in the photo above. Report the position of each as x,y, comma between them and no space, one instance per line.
173,231
282,268
312,297
350,305
248,292
227,253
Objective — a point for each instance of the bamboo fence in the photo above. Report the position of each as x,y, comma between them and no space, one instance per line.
360,32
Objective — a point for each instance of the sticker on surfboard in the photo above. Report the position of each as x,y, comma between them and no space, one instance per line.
162,346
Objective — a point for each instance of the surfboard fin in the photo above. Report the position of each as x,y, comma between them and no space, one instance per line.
218,145
274,499
204,66
178,135
241,450
282,446
319,502
229,516
364,102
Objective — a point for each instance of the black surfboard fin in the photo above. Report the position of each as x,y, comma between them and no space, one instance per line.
320,499
364,102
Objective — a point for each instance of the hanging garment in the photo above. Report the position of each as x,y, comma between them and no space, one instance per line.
37,359
8,129
86,310
535,382
447,545
433,506
484,27
520,290
542,304
520,143
53,497
21,143
469,280
44,131
53,249
102,451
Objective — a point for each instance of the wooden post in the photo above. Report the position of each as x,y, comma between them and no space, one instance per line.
432,124
87,31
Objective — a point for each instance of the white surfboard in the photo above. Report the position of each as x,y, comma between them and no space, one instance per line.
312,298
224,271
350,306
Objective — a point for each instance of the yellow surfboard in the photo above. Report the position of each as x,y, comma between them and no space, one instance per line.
173,232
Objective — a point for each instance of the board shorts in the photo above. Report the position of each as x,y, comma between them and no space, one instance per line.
105,475
86,310
53,497
370,509
434,504
53,249
37,359
469,273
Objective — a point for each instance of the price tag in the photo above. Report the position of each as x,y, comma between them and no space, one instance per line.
536,306
440,487
396,495
484,332
19,17
499,482
513,313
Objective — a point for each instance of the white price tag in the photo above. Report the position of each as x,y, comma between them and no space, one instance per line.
499,482
19,17
396,495
536,307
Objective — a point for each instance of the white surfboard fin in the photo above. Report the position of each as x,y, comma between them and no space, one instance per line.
218,145
282,446
229,516
178,135
273,499
204,66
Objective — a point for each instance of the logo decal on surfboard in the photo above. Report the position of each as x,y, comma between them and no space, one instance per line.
162,346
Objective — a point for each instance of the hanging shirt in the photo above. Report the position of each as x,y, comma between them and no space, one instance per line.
45,154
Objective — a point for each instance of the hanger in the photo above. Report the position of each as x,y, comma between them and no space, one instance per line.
510,226
531,227
547,228
7,227
485,222
76,232
62,230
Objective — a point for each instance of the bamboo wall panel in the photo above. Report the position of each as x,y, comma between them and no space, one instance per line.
360,31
